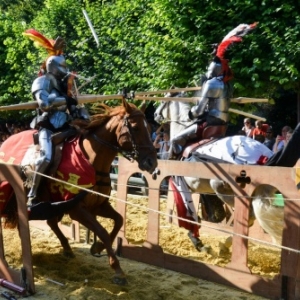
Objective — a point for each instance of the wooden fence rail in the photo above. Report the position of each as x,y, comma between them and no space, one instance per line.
24,277
285,285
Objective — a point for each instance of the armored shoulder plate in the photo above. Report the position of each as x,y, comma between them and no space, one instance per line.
46,82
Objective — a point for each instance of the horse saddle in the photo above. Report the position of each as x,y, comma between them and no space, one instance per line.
58,139
209,134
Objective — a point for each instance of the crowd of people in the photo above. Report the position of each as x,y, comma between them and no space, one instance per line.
258,130
264,133
8,129
161,140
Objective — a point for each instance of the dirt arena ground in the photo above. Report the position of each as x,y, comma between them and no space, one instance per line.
89,278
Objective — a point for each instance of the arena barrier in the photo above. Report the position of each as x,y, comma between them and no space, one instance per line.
236,274
133,182
23,278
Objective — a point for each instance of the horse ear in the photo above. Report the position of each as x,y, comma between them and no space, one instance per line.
126,105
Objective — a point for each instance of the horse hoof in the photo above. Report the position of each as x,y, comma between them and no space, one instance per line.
69,254
120,280
97,248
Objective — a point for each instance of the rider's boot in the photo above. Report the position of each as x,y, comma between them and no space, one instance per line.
36,180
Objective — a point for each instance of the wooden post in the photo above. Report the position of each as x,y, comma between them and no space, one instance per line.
11,173
236,274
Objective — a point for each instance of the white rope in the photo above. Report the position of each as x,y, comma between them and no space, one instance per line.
225,195
168,215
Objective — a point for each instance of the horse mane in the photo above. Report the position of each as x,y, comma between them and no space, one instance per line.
102,113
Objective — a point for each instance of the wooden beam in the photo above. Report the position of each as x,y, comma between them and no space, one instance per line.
82,99
240,112
181,99
244,100
240,100
176,90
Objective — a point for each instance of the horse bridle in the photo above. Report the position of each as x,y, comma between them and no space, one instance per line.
132,154
159,109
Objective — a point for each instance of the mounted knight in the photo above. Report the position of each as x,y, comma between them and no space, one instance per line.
54,92
210,115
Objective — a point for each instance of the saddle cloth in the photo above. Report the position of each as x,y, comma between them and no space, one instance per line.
237,150
73,168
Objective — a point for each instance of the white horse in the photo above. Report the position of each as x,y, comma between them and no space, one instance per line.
235,150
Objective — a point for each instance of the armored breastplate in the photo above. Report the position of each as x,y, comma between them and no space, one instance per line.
47,83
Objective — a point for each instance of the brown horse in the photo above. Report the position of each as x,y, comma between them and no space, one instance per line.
124,130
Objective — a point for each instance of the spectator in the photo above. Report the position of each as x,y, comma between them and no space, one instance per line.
9,128
162,142
241,132
248,128
154,127
260,129
5,136
280,139
288,136
260,138
1,138
160,129
269,139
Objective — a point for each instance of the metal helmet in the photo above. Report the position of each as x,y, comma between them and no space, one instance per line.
57,66
214,70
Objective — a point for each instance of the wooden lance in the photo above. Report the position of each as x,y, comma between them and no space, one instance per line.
82,99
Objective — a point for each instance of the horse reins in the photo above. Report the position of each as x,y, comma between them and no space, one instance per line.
130,155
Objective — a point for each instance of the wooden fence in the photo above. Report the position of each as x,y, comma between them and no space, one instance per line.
236,274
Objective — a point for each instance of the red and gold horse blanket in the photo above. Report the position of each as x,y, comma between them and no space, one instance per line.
73,169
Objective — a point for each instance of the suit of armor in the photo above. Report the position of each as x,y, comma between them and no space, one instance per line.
214,100
212,109
50,92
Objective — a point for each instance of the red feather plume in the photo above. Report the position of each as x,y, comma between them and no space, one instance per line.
234,36
40,40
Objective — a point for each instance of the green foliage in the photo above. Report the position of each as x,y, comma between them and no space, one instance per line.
147,45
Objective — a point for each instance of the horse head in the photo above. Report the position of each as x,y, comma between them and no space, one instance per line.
161,112
124,129
133,136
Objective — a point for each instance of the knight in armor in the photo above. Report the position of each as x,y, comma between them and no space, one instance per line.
56,108
212,108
